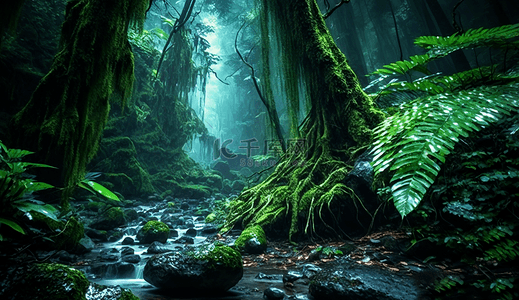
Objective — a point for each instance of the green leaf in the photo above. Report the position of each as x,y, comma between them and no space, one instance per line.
13,225
428,129
97,188
17,153
47,209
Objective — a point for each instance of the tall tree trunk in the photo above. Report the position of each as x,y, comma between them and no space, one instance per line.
338,125
65,117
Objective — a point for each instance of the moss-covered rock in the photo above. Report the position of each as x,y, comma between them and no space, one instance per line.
252,240
110,219
205,269
153,231
43,282
54,282
195,191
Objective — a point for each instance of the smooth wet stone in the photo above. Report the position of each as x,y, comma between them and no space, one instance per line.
173,233
191,232
185,240
133,258
253,246
114,270
108,255
206,268
263,276
273,293
292,276
309,270
101,292
358,282
158,247
209,229
127,251
85,245
128,241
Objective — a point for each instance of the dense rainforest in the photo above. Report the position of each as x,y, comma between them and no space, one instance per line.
268,149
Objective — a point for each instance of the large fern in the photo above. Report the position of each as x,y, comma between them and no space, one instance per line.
499,37
413,143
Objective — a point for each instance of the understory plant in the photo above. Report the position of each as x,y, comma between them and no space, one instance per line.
17,189
411,145
448,158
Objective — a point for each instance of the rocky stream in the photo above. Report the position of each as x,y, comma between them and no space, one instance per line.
115,252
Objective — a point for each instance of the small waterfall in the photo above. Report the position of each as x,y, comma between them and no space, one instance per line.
139,270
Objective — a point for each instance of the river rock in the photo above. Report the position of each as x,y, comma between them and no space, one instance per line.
359,282
133,258
191,232
153,231
53,281
273,293
100,292
206,268
128,241
158,247
252,240
85,245
114,270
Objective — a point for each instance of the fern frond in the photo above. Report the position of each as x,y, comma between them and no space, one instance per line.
414,144
417,63
434,85
498,37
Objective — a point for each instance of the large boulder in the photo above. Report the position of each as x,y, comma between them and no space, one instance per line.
43,281
207,268
153,231
252,240
351,281
54,282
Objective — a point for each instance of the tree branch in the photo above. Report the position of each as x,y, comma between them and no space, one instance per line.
272,113
335,8
184,17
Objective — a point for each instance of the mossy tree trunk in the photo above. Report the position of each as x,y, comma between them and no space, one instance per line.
65,117
339,124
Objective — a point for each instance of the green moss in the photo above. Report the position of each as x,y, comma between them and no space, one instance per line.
210,218
153,231
195,191
218,255
65,117
249,233
56,282
115,215
155,226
